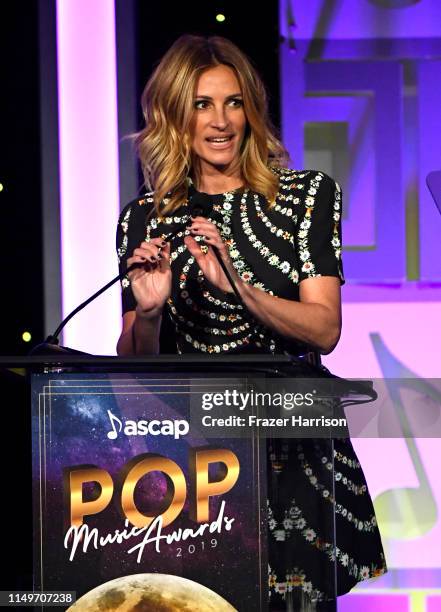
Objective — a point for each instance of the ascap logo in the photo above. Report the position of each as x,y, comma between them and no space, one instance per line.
176,428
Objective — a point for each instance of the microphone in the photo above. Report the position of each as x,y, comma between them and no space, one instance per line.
200,206
200,203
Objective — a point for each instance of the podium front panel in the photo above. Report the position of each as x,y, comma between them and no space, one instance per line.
131,501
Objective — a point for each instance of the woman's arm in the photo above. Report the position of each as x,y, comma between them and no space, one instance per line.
150,285
140,334
315,320
148,290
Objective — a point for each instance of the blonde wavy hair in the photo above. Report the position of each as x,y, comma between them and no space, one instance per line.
164,145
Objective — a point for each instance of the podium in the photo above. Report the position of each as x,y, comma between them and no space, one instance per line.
133,497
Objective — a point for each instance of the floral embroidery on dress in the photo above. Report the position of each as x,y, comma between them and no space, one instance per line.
122,248
277,231
238,261
346,461
273,259
367,525
279,223
333,552
295,579
303,233
285,236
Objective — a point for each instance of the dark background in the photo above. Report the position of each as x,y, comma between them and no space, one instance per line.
20,199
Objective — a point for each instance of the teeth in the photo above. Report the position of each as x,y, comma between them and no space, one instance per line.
219,139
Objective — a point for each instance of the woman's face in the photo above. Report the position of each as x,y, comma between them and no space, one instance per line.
218,124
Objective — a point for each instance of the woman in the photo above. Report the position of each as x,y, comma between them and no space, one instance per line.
278,233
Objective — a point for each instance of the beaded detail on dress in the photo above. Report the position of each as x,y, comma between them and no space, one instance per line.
271,248
274,248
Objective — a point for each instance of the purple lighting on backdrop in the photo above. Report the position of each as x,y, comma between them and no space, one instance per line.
369,603
373,68
349,19
89,189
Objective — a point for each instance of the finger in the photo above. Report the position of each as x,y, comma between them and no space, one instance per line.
211,232
203,223
141,265
164,252
166,248
211,238
155,241
194,248
136,259
201,220
215,242
155,245
164,261
149,252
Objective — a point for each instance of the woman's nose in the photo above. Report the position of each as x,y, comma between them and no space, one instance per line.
220,118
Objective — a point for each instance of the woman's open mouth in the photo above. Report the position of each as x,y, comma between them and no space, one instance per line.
220,142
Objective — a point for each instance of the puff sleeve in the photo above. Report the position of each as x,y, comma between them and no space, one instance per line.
131,231
318,237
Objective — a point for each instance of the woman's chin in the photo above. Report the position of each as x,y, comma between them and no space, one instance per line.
221,162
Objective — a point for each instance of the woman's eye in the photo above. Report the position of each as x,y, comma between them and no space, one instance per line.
203,104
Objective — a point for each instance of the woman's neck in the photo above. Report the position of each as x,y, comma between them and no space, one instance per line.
219,182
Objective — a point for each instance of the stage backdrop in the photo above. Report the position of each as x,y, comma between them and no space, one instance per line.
359,102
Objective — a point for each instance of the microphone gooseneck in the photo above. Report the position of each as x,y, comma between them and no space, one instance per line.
200,205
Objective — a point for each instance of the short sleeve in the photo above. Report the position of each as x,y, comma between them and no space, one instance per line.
318,239
131,231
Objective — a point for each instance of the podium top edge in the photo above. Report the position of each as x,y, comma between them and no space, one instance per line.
36,361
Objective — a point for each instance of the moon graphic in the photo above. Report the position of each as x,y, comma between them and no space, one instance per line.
151,593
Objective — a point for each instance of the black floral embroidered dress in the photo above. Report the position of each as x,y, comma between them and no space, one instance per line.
273,249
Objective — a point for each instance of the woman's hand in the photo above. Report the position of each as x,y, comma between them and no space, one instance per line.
151,280
208,262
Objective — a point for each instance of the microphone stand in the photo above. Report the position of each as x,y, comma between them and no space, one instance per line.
200,204
51,344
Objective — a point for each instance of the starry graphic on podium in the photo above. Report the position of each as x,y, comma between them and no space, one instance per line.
80,422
